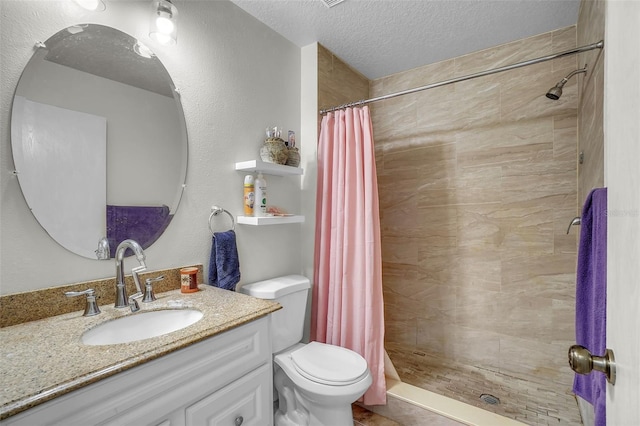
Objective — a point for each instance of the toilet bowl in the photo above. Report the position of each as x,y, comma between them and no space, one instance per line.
315,383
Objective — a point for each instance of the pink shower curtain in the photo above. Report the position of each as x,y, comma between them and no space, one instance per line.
347,305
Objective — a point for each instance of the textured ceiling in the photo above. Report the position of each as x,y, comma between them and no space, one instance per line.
382,37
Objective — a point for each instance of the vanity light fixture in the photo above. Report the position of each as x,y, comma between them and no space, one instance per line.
95,5
163,26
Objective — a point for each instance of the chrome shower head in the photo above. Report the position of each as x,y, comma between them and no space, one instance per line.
556,91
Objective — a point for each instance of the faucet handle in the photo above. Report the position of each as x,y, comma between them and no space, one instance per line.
149,295
135,272
91,308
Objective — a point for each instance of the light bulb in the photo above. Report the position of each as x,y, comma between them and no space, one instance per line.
163,38
97,5
164,23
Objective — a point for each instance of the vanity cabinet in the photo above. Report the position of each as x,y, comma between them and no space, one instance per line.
223,380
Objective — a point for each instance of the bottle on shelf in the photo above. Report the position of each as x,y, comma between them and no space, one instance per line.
260,206
249,195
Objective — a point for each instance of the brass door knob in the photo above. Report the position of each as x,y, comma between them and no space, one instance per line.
582,362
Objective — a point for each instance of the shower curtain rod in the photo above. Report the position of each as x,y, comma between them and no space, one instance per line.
598,45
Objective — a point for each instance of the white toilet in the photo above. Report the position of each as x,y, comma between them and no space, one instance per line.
316,383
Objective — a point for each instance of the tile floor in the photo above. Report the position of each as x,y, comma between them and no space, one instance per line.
524,401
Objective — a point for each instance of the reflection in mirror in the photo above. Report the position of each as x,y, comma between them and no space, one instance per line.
99,140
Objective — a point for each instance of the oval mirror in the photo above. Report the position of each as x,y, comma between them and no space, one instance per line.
99,140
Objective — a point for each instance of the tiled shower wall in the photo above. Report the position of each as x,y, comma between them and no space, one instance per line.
591,102
477,185
338,83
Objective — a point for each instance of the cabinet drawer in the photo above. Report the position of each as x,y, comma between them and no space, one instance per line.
245,402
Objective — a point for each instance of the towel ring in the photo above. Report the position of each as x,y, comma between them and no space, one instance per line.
215,211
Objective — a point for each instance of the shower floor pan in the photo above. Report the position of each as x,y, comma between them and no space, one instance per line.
528,402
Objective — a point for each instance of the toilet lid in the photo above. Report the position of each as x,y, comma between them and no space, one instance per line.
329,364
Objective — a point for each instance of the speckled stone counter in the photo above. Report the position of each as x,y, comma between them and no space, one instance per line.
41,360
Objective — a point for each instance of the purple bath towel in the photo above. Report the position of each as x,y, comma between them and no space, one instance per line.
224,265
141,223
591,298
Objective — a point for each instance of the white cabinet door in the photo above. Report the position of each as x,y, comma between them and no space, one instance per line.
245,402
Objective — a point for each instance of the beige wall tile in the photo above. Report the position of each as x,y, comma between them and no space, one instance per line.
522,311
536,361
438,226
561,40
542,275
475,309
477,270
396,123
563,322
476,181
590,29
391,272
463,109
400,332
565,134
503,55
507,144
436,303
428,74
478,226
434,265
396,249
337,82
563,242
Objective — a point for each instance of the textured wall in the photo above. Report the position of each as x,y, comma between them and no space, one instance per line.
236,77
591,102
478,184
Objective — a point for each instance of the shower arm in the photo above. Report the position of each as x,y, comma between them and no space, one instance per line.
562,82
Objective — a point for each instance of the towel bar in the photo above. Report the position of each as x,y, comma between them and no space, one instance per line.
215,211
575,221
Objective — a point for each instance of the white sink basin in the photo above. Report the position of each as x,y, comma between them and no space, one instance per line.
140,326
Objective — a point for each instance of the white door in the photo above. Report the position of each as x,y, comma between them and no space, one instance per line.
622,177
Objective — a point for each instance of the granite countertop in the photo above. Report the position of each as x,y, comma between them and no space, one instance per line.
41,360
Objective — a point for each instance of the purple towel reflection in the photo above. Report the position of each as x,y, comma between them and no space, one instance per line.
140,223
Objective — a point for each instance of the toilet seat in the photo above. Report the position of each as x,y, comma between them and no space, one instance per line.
329,364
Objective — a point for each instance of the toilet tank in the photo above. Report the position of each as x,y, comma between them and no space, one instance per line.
287,324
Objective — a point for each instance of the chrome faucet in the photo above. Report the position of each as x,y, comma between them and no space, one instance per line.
122,301
102,253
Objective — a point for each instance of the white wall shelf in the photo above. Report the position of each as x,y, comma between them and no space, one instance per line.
268,168
269,220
